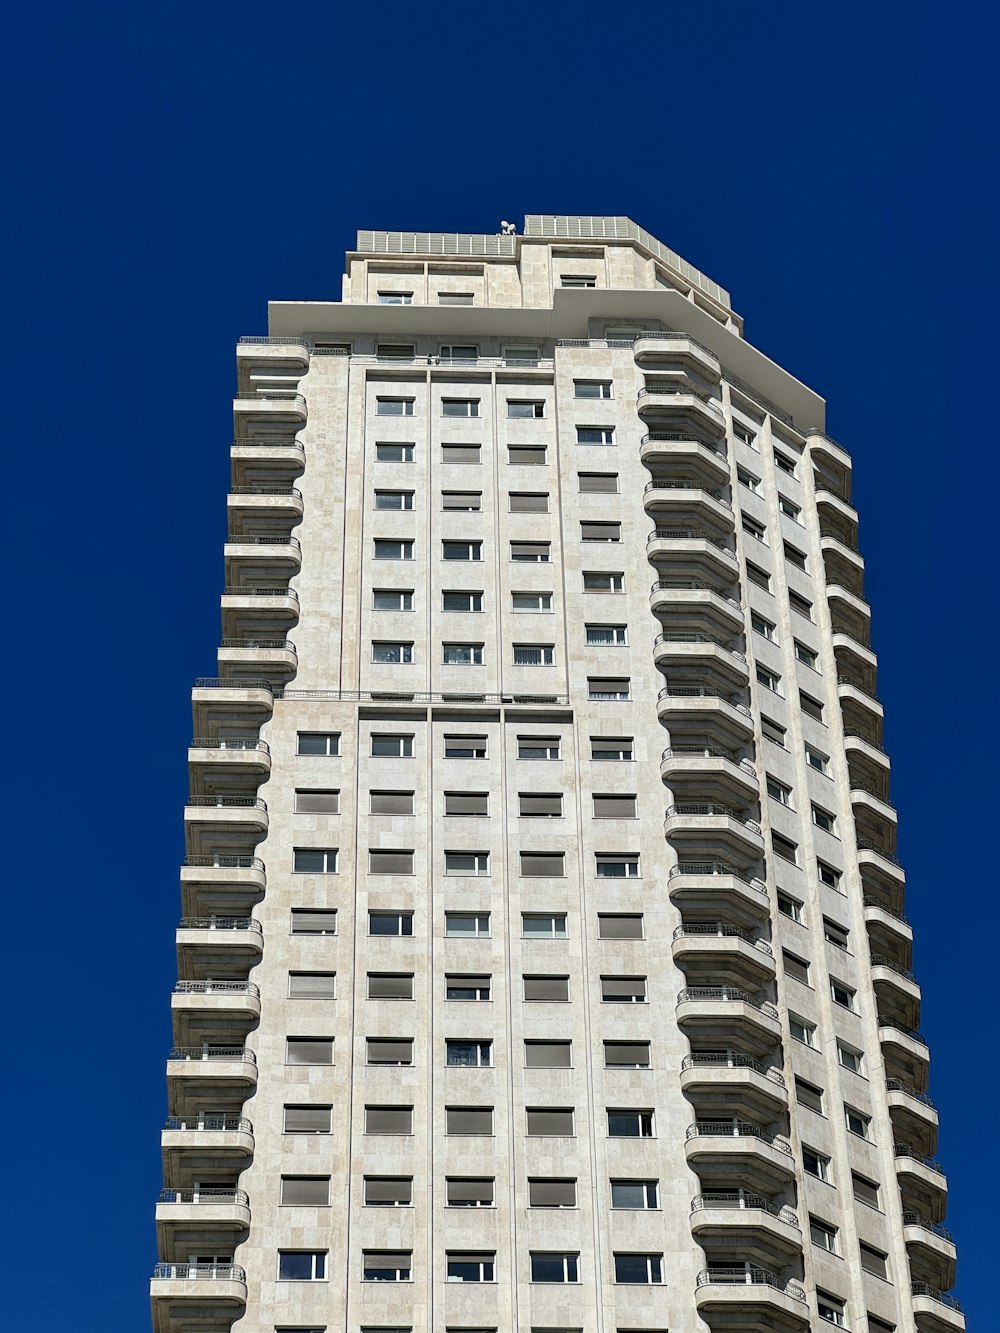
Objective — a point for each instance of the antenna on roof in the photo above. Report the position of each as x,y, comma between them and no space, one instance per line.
507,228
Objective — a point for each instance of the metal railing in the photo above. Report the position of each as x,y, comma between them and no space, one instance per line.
905,1150
262,340
738,1201
690,585
721,1060
204,1272
880,960
723,811
669,392
725,995
700,638
230,743
709,752
896,916
208,1124
239,923
423,697
856,684
660,335
739,1129
864,846
202,1054
869,790
205,1194
293,542
217,988
717,868
897,1085
272,396
691,534
751,1277
281,442
935,1228
232,683
293,491
699,692
228,802
285,644
687,486
220,862
237,591
912,1033
935,1293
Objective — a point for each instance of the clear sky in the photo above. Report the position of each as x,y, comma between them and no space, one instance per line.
170,168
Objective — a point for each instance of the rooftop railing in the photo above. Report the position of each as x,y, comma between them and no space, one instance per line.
266,490
285,644
422,697
668,335
238,591
737,1129
751,1277
736,1200
709,752
725,995
731,1060
272,395
267,442
711,809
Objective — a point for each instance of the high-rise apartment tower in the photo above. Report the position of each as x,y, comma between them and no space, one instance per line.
542,964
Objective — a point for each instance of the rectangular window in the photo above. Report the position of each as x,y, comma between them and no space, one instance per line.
476,1121
543,864
386,1266
865,1191
305,1191
823,1235
459,986
466,803
470,1192
520,408
390,862
462,654
824,819
543,926
626,1055
465,502
548,1055
748,480
578,280
772,731
615,807
388,1191
874,1261
595,434
623,990
302,1265
841,994
395,351
643,1195
838,936
461,601
528,502
531,601
539,805
531,553
402,501
795,967
546,1267
461,550
399,654
387,452
462,925
754,528
308,1050
548,990
612,865
639,1269
546,1193
461,453
784,847
538,747
744,434
608,749
828,875
759,576
386,746
802,1030
314,921
607,636
807,1094
520,355
390,985
395,298
460,407
550,1121
526,455
806,655
849,1057
591,388
608,687
309,801
465,747
388,1119
794,556
784,464
534,654
801,605
790,510
595,580
315,860
778,791
789,906
466,863
600,532
468,1054
459,352
391,802
598,483
831,1309
815,759
626,1124
394,407
308,1119
769,679
619,925
390,923
318,742
816,1163
455,298
857,1122
312,985
391,599
386,549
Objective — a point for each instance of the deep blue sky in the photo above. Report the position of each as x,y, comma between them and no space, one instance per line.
172,168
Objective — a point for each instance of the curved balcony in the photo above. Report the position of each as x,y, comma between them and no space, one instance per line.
719,657
682,501
244,703
896,990
882,877
854,660
737,1297
210,1071
238,940
850,610
875,818
271,356
215,1294
236,756
728,1012
904,1051
861,712
221,874
826,452
750,1222
705,823
889,932
922,1184
219,1209
692,546
681,410
727,946
678,455
278,553
653,346
935,1310
722,1148
724,715
269,405
715,886
730,774
273,657
738,1081
931,1249
239,999
281,457
914,1116
225,1138
717,612
837,517
245,814
843,566
246,610
272,502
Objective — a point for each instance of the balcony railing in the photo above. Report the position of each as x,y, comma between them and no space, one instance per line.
935,1228
668,391
718,931
417,696
896,916
739,1129
741,1201
293,542
245,923
279,442
723,811
700,638
691,534
897,1085
204,1272
931,1163
925,1289
864,846
194,1054
273,395
709,752
857,685
884,1021
229,683
686,486
691,585
726,995
755,1277
721,1060
217,988
239,591
699,692
209,1124
285,644
717,868
293,491
205,1194
879,960
230,743
219,862
228,802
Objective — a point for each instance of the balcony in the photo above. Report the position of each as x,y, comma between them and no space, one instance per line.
875,820
859,708
731,775
277,503
728,1013
260,358
221,874
837,517
277,553
867,762
854,659
708,608
702,653
843,565
931,1250
714,886
684,501
747,1221
832,457
914,1117
708,824
215,815
692,547
747,1297
922,1184
218,1210
277,659
258,610
725,946
219,700
212,1073
678,455
652,348
681,411
882,876
722,1148
723,715
896,990
236,756
222,1138
738,1082
269,407
210,1295
275,459
889,932
904,1051
936,1311
240,999
228,941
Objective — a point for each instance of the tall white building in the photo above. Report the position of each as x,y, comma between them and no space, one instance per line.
542,965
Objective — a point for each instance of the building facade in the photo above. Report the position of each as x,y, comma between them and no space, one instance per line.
542,961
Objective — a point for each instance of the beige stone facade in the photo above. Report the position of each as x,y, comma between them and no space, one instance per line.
542,965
